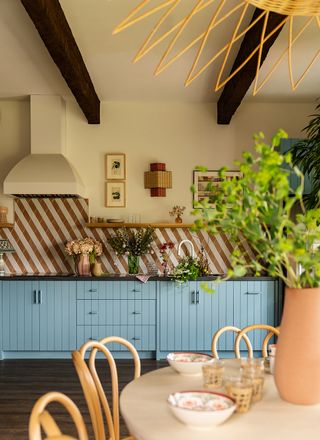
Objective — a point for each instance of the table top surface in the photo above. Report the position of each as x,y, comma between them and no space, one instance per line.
143,404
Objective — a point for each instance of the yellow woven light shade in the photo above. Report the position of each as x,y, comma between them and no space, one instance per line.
158,179
289,7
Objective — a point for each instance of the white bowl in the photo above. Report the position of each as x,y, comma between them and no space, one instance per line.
188,363
201,409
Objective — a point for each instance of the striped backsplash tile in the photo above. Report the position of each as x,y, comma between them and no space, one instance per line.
43,226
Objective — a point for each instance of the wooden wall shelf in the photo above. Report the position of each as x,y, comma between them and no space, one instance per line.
139,225
6,225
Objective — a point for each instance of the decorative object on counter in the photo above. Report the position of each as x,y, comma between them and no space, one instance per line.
204,183
158,180
115,166
3,214
165,252
84,252
5,248
285,244
115,194
189,269
177,211
152,269
133,244
285,11
96,269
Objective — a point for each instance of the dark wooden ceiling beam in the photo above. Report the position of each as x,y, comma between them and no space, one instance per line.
52,25
236,89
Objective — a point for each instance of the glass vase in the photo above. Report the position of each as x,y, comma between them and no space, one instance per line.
133,264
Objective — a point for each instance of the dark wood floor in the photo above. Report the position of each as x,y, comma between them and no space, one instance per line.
23,381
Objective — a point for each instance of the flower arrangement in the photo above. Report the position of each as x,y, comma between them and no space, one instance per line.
177,211
86,246
129,242
189,269
165,251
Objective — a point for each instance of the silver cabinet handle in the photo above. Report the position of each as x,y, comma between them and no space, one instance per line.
35,298
198,297
92,339
93,290
136,291
136,339
93,313
252,293
193,297
136,313
39,296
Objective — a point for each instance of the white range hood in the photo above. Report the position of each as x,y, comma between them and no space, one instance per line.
46,172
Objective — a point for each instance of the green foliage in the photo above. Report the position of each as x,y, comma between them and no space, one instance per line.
129,242
258,208
189,269
306,156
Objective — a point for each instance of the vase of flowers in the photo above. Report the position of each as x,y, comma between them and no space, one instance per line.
132,243
84,252
165,251
177,211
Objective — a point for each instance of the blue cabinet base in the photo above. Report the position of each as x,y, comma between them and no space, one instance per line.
66,355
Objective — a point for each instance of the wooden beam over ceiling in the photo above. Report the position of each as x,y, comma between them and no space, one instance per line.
235,90
51,23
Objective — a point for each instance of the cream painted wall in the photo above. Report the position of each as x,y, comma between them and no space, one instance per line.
14,140
182,135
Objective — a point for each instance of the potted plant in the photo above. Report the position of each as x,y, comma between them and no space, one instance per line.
306,156
259,208
177,211
133,244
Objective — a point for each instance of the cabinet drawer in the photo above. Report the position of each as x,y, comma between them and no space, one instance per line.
116,312
115,290
143,337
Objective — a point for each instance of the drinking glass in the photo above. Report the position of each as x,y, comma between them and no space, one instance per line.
256,376
213,374
240,389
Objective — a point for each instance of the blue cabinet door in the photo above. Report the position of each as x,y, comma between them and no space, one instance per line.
57,315
188,316
20,316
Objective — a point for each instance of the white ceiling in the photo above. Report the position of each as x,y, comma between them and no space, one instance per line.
27,68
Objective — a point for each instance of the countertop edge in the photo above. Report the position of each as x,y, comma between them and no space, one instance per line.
117,278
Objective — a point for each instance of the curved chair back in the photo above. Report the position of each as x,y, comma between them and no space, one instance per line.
113,418
216,336
271,331
41,419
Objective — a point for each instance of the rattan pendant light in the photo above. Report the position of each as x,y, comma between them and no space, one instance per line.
290,9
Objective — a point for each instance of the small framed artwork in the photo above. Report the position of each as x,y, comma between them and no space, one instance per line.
115,166
115,194
202,179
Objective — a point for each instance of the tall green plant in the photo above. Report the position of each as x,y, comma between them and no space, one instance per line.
306,156
259,208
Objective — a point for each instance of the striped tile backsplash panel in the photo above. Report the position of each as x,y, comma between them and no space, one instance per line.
43,226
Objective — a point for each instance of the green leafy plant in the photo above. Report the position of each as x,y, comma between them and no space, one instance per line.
189,269
260,208
306,156
130,242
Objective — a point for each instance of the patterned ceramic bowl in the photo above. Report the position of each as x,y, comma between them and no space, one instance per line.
188,363
201,409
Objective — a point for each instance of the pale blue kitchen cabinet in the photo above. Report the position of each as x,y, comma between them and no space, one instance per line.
117,308
38,316
188,317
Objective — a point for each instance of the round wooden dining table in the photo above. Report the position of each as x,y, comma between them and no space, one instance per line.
143,405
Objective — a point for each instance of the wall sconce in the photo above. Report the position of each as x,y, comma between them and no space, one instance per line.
158,179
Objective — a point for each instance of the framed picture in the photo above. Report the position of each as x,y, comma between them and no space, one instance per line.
115,166
115,194
201,180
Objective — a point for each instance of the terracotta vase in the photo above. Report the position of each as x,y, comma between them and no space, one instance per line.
84,265
178,219
297,366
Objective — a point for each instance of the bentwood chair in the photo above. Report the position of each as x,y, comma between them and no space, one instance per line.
221,331
41,419
243,333
112,417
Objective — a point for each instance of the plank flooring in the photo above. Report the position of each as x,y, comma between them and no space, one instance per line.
22,382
